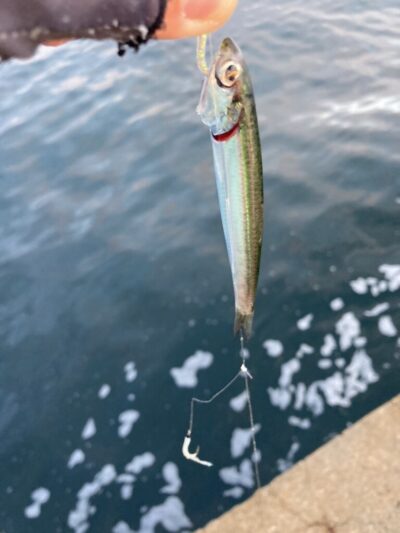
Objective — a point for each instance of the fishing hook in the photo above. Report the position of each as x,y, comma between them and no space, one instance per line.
201,54
190,455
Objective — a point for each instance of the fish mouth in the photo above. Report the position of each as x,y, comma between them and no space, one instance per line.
223,137
229,45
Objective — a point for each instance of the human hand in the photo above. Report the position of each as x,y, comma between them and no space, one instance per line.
129,23
188,18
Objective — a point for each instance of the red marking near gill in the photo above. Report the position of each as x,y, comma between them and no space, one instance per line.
222,137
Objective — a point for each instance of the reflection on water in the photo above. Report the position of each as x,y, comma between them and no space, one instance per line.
116,295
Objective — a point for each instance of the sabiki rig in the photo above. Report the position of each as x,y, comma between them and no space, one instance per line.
227,107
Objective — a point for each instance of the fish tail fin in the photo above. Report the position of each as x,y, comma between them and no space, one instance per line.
243,324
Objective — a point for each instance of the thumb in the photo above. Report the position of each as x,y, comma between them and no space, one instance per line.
187,18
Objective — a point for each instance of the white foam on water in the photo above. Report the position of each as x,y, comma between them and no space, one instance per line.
337,304
279,397
125,478
288,370
122,527
359,373
170,515
360,342
33,510
78,518
126,491
273,347
348,329
77,457
375,286
381,286
314,400
386,326
234,492
132,469
242,475
287,462
40,496
350,375
238,403
392,275
304,323
186,376
341,387
300,396
126,420
359,285
89,429
377,309
140,462
302,423
324,364
241,439
104,391
329,345
170,474
335,390
304,349
131,397
130,372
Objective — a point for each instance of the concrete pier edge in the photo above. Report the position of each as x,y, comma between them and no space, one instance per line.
349,485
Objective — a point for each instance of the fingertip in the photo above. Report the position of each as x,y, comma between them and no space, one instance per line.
195,17
56,42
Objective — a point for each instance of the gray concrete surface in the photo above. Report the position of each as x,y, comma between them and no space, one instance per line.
349,485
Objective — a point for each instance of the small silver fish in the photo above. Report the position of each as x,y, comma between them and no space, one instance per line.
227,107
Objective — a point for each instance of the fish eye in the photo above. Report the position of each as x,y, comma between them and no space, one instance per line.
228,73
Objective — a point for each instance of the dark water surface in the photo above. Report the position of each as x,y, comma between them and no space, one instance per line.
113,268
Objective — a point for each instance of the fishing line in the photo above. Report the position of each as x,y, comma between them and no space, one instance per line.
244,373
201,54
204,45
255,456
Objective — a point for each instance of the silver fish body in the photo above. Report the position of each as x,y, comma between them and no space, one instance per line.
227,107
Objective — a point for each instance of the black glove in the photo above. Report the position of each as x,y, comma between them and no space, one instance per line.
24,24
